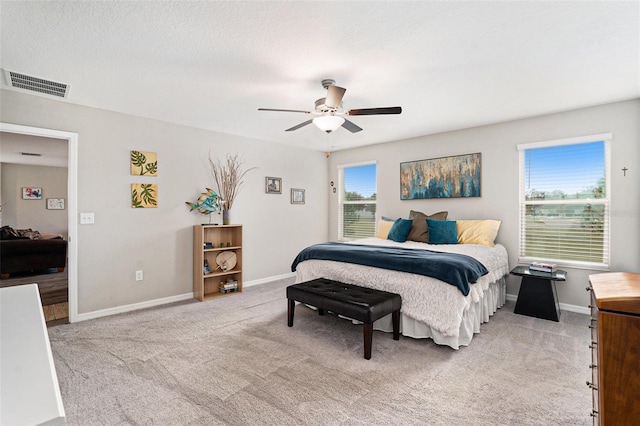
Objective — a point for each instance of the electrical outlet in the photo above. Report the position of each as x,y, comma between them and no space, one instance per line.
139,276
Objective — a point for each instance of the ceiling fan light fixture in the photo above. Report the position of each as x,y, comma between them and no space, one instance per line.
326,108
328,123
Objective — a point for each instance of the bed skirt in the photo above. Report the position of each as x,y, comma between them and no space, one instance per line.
478,313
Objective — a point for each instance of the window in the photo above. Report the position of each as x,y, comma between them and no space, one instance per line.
564,202
357,201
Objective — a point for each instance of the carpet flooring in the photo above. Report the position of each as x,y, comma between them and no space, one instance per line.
234,361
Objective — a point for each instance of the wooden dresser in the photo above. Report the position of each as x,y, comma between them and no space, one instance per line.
615,348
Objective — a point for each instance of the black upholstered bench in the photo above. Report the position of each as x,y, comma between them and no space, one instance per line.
359,303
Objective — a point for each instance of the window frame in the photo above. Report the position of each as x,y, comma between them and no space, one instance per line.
605,201
341,193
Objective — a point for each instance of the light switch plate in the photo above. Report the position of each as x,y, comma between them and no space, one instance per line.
86,219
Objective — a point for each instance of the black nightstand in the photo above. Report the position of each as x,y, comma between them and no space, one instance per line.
537,296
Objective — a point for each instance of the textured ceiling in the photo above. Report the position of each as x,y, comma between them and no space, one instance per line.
211,65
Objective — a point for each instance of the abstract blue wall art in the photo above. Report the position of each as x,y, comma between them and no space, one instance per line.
445,177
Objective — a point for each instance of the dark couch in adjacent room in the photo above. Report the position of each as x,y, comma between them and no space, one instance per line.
23,254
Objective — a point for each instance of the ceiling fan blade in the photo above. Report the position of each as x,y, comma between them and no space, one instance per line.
283,110
334,96
375,111
299,125
351,126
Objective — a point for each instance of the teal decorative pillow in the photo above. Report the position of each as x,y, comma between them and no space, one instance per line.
442,231
400,230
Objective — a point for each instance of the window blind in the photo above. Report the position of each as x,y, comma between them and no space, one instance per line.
564,202
357,201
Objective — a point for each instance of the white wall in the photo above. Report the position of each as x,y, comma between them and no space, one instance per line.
22,214
499,199
159,241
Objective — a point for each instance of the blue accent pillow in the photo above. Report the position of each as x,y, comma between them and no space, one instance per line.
442,231
400,230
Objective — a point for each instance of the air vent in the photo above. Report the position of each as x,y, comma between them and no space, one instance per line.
35,84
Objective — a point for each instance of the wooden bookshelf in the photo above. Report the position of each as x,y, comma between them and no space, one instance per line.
224,238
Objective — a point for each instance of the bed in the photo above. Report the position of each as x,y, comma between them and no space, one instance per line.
431,308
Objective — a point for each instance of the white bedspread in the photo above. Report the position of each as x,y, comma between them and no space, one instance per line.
439,305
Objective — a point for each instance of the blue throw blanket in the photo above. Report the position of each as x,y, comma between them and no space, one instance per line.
453,268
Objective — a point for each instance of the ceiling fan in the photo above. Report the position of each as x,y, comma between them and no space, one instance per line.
330,112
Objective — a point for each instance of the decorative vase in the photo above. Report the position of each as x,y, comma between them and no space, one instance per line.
226,218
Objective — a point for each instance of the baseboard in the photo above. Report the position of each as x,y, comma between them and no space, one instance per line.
268,279
165,300
133,307
563,306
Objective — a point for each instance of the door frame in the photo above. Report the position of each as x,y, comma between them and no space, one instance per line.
72,202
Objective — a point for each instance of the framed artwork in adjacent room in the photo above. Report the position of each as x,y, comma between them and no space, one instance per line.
31,193
55,203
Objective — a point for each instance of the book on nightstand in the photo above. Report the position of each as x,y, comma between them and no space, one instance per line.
543,267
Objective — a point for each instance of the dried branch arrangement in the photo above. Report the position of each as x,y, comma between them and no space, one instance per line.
228,177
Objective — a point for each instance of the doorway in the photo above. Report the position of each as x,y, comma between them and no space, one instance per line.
72,195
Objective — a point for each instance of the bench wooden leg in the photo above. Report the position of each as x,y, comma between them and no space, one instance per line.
368,338
290,311
395,316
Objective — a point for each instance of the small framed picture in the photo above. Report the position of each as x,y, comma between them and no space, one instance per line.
144,163
31,193
55,203
297,196
273,185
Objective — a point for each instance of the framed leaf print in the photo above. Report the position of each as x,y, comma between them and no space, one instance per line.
144,163
144,195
